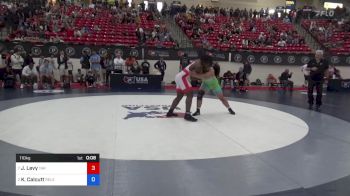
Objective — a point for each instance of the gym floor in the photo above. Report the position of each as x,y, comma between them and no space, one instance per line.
273,146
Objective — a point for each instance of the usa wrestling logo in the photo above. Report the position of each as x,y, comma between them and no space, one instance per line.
135,80
147,111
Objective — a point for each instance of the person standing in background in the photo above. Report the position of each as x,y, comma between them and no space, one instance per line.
95,62
40,63
184,61
8,58
16,65
318,68
46,74
2,68
109,66
85,61
129,63
29,75
62,60
285,79
161,67
28,59
119,63
241,78
306,73
247,69
145,67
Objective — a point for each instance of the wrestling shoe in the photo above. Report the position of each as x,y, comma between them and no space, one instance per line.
318,108
197,113
190,118
310,106
171,114
231,111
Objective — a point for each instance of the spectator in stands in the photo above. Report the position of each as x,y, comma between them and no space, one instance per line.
161,67
286,19
145,66
77,33
95,62
283,35
262,38
285,79
245,43
119,63
318,70
46,74
227,78
29,75
282,43
140,34
16,65
62,60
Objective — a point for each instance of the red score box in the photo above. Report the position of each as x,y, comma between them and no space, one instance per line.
93,168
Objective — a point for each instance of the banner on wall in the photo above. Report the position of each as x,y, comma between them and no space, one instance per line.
175,54
284,59
75,51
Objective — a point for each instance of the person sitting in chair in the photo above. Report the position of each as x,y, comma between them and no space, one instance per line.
271,80
227,78
29,75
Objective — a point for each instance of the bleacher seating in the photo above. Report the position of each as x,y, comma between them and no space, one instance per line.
338,40
236,39
108,33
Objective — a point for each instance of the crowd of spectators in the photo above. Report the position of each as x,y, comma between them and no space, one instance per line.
65,22
18,68
229,29
332,34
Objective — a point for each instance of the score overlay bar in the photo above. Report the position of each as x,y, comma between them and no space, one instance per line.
57,170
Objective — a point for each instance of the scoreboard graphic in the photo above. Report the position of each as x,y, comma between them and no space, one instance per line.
57,170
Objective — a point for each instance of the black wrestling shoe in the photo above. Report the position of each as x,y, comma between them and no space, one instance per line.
171,114
190,118
318,108
310,106
231,111
197,113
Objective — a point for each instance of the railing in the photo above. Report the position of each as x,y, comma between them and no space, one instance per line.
177,32
308,38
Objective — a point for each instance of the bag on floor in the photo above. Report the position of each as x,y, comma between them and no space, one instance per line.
9,83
